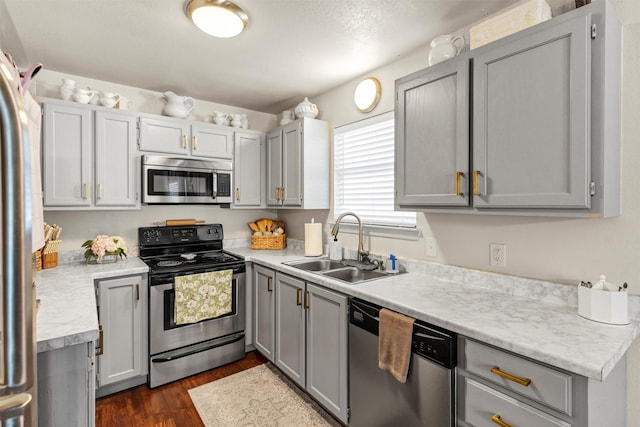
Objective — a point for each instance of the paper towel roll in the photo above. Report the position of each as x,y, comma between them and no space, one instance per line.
313,238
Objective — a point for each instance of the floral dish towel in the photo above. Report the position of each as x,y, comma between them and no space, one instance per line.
203,296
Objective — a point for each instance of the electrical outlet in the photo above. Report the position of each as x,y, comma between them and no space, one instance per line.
498,254
432,247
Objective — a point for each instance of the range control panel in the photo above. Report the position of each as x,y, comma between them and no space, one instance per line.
156,236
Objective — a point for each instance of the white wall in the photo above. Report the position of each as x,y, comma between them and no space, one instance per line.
79,226
563,250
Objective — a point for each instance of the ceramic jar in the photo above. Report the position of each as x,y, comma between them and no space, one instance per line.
83,96
67,88
306,109
109,99
445,47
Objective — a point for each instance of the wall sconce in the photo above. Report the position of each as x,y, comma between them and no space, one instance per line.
367,94
218,18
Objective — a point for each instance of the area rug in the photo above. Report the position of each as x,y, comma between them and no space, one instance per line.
260,396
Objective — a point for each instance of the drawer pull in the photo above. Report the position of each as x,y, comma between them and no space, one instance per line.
496,419
184,142
522,381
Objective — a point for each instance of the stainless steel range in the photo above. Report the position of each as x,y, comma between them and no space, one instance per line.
178,349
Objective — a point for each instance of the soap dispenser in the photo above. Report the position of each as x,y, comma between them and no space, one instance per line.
392,264
335,250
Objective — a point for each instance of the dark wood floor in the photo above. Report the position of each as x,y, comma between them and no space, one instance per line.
165,406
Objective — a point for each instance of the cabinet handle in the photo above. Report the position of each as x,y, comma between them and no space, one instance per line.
458,179
282,193
195,142
137,292
277,189
184,141
100,348
99,191
238,194
269,289
85,191
520,380
306,300
496,419
476,192
298,296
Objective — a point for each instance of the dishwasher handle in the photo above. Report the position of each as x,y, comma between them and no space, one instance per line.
364,315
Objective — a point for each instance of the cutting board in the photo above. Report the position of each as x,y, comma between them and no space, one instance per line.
174,222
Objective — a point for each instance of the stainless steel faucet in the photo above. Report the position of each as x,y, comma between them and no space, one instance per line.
363,255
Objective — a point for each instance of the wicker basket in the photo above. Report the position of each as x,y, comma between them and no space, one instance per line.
50,260
269,242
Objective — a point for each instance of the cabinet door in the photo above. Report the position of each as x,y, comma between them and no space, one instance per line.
432,136
292,164
211,141
248,169
274,167
164,136
264,311
116,165
290,327
327,351
531,119
122,315
67,156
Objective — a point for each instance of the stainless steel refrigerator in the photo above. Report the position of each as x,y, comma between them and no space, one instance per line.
18,406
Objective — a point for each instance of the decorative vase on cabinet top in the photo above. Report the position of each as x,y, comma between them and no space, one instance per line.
178,106
306,109
445,47
287,117
67,88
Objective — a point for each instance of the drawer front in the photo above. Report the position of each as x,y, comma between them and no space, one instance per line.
547,386
486,407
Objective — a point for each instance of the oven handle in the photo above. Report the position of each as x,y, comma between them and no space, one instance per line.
200,350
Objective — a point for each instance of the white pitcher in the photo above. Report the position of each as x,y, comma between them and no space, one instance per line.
445,47
178,106
67,89
83,96
287,117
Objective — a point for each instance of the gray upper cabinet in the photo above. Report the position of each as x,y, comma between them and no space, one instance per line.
89,157
177,136
248,169
531,144
545,123
298,165
432,136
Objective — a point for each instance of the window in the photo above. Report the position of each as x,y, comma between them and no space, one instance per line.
363,180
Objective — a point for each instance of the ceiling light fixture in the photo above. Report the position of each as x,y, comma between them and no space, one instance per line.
367,94
218,18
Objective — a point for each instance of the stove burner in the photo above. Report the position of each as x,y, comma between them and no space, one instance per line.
168,263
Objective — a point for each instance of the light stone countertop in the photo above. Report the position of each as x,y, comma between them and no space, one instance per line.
67,314
532,318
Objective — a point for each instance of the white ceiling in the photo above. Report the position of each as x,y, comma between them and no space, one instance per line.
290,49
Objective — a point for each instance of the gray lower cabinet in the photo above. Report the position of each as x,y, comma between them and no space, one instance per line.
121,360
264,303
545,123
249,169
496,387
310,333
66,386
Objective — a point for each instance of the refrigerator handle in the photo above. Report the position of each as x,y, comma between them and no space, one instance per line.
17,327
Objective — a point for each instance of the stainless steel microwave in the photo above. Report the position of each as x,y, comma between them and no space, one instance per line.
179,180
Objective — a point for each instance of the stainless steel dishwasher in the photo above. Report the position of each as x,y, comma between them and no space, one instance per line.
377,399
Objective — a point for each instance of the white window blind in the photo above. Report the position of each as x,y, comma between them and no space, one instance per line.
363,179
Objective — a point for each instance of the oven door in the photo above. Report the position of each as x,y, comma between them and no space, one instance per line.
165,335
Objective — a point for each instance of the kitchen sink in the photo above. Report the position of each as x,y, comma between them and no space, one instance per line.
353,275
317,265
337,270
